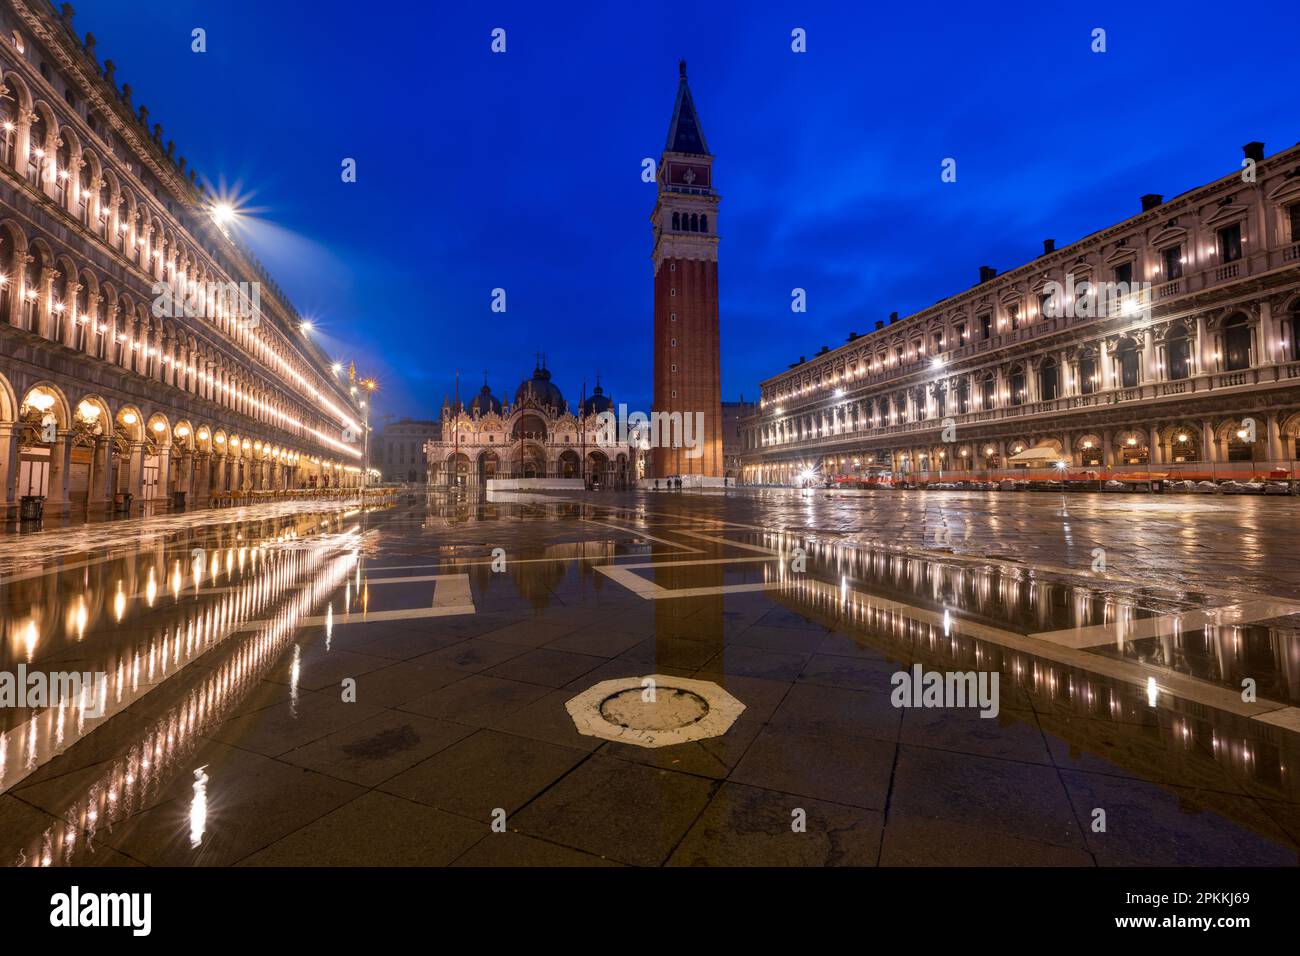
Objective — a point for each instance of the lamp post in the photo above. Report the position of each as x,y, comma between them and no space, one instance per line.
365,445
370,386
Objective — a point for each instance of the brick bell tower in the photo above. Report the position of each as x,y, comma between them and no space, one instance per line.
688,374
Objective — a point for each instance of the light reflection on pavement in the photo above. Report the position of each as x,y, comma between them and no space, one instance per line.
227,641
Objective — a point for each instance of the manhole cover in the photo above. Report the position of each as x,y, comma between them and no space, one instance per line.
654,711
667,709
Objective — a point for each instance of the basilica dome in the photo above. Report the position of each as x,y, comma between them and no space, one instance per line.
485,402
597,402
541,388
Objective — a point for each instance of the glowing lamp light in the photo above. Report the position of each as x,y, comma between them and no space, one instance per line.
129,418
89,411
203,434
159,428
223,213
182,431
221,439
41,401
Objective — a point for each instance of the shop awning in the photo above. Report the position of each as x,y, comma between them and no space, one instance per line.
1038,455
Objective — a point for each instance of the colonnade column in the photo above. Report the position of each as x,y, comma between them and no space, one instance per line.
100,489
60,465
8,467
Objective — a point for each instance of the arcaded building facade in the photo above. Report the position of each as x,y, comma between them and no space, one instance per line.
108,386
1164,345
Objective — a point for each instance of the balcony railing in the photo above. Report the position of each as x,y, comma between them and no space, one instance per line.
1188,283
1203,383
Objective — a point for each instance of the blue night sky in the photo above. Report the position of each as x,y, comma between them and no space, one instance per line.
522,170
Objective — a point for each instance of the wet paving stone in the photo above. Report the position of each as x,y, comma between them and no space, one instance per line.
346,687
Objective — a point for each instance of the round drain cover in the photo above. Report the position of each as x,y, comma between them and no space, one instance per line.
671,708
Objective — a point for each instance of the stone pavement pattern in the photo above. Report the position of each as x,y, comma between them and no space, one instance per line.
234,742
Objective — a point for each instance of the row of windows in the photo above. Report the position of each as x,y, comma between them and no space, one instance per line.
1172,259
943,399
79,311
72,176
694,222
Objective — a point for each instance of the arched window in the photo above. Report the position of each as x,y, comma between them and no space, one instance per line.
31,291
1179,353
61,308
963,397
695,222
988,388
1088,372
1236,344
8,125
1049,380
6,272
101,330
1018,386
1294,344
36,136
704,223
677,220
81,319
62,173
1128,364
105,209
86,193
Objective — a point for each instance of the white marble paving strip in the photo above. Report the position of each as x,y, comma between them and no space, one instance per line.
1098,635
451,596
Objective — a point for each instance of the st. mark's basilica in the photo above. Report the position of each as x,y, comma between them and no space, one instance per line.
535,435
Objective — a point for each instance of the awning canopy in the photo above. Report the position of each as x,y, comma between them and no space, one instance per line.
1039,454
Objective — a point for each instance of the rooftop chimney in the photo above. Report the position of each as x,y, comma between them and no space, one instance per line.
1254,151
880,324
1049,245
853,336
893,317
987,273
1151,200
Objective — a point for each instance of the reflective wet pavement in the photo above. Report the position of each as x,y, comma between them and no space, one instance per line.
288,685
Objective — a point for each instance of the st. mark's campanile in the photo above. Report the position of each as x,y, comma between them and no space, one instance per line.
687,367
